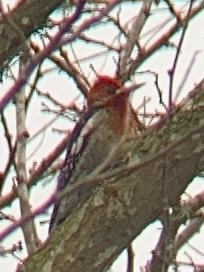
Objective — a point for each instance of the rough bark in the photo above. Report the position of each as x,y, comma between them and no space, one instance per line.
162,162
20,23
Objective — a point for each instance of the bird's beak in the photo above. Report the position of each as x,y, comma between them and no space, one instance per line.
128,90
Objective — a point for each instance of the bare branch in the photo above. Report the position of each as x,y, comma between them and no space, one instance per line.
29,230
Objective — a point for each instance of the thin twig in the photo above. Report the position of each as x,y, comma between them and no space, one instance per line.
172,71
130,262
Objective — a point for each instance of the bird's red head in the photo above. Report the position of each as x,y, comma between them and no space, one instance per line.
104,89
110,94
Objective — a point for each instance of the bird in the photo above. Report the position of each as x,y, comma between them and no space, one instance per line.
108,118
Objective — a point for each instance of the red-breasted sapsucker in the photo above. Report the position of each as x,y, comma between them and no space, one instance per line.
109,117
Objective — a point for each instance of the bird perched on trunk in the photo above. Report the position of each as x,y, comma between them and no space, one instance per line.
109,118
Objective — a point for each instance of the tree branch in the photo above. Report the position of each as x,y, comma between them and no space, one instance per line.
28,16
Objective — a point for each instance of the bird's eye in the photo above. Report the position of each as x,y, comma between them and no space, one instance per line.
110,89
